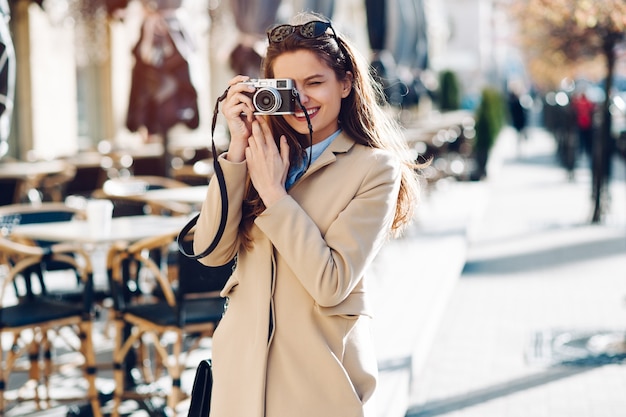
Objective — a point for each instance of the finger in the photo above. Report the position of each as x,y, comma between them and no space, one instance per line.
267,132
237,111
257,132
284,151
239,88
242,88
242,97
238,79
252,144
255,142
248,113
247,100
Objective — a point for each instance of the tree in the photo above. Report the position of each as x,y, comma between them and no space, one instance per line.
562,38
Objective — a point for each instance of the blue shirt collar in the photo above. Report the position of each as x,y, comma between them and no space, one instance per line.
295,172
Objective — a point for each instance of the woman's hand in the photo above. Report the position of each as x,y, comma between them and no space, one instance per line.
267,165
238,110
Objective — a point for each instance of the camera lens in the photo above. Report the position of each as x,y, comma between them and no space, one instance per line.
267,100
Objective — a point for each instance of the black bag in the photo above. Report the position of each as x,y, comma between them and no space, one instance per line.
201,390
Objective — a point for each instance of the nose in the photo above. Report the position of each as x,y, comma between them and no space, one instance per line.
303,97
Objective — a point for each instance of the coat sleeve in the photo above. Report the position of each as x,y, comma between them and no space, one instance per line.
211,212
330,265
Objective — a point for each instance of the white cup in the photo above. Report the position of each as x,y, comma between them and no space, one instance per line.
99,214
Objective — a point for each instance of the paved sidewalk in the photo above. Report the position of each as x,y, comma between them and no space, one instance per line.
411,282
535,325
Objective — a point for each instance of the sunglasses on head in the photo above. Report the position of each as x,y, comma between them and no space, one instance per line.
309,30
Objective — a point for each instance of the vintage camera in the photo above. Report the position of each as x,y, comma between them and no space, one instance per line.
273,96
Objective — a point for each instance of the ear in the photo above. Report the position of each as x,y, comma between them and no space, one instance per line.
346,84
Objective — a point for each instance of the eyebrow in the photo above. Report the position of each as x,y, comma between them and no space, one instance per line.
311,77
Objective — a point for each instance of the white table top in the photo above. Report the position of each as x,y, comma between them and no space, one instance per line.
188,195
23,169
131,228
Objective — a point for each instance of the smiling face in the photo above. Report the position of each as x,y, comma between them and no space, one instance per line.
320,92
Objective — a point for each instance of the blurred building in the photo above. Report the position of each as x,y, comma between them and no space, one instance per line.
75,61
475,41
74,66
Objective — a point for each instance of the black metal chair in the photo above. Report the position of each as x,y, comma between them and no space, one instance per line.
186,304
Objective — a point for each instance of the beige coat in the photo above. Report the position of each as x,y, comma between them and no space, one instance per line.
295,340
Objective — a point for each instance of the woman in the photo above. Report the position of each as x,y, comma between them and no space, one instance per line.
295,339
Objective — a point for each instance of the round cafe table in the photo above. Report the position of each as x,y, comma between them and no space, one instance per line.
18,177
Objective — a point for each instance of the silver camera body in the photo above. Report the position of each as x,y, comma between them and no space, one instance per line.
273,96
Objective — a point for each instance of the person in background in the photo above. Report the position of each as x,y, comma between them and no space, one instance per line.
583,113
308,214
162,93
517,114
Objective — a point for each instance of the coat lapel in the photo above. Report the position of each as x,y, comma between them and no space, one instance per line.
341,144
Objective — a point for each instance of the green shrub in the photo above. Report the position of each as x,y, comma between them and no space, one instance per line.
449,94
490,118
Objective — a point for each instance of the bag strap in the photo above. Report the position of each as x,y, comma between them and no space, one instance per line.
223,193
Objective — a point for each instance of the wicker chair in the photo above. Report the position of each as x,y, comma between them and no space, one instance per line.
44,213
37,324
186,304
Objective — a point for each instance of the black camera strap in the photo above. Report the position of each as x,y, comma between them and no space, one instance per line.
296,94
223,193
222,184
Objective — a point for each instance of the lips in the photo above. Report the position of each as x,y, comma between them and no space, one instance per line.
310,112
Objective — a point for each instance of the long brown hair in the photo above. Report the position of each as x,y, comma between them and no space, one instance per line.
362,117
